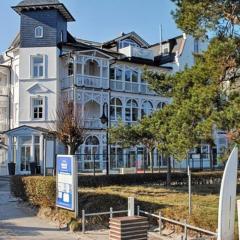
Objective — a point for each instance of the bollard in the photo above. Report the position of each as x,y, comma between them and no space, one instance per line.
185,229
83,221
160,223
111,212
138,210
131,206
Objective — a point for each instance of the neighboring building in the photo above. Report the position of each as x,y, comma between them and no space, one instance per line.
48,65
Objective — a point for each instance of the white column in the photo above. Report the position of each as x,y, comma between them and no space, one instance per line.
18,154
41,149
32,149
10,148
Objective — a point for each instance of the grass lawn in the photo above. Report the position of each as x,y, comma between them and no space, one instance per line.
172,202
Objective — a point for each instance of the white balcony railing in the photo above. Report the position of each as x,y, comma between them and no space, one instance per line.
132,51
132,87
84,80
91,81
93,123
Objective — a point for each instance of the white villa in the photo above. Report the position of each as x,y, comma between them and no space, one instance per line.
45,64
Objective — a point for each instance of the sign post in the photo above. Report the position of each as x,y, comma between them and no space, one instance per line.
67,196
189,192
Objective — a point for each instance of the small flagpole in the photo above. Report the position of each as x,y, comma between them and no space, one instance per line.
161,39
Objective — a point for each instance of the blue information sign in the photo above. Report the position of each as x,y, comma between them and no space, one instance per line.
65,182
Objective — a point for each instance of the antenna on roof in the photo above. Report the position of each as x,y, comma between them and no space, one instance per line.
161,39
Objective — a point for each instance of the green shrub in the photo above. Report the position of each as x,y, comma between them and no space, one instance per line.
38,190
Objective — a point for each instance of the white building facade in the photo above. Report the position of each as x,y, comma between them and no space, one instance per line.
45,65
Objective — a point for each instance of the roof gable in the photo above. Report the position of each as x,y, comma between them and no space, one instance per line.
132,35
38,88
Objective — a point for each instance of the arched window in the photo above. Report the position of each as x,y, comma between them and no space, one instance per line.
147,108
115,109
92,68
161,105
39,32
91,153
131,111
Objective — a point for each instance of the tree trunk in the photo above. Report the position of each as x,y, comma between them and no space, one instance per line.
169,170
151,159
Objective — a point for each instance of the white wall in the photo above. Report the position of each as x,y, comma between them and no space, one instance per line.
29,87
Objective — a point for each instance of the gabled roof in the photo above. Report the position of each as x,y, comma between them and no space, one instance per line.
39,129
132,35
44,4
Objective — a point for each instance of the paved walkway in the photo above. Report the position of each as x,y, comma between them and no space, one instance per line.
18,222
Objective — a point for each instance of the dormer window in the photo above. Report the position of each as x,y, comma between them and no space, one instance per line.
39,32
127,42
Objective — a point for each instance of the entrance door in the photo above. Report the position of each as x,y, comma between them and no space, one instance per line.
25,158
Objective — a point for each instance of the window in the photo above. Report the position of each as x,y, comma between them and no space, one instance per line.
196,45
37,66
161,105
112,73
70,69
116,74
115,109
119,74
116,157
131,111
131,76
128,74
147,109
91,153
39,32
127,43
37,108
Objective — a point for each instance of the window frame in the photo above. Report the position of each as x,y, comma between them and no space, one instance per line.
36,31
114,107
38,106
38,65
131,109
146,110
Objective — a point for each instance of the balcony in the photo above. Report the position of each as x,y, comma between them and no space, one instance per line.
86,81
137,52
93,123
132,87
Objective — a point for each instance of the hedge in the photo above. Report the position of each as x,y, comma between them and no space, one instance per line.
177,179
40,191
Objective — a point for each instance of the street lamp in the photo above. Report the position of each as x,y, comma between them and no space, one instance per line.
104,120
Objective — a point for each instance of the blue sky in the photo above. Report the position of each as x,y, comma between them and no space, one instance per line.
101,20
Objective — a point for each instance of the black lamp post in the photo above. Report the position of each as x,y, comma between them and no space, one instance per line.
104,120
